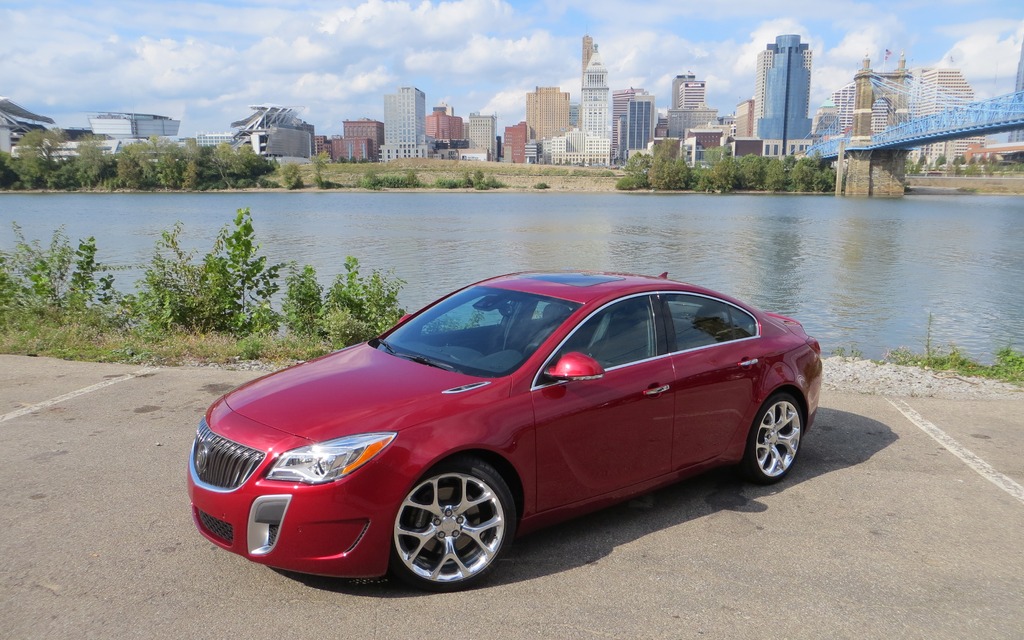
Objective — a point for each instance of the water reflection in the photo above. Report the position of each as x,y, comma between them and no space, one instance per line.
859,273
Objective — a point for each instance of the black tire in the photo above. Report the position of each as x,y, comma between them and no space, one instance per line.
774,440
453,526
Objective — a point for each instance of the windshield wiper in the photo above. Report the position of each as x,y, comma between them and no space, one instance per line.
427,361
415,357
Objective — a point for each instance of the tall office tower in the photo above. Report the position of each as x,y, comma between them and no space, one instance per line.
443,124
843,99
1018,135
935,90
688,92
782,90
641,118
483,134
745,119
547,112
594,102
405,134
516,138
588,51
620,103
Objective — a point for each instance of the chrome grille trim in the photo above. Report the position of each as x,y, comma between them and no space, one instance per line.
220,464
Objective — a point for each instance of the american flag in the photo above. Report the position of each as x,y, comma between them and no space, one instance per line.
887,54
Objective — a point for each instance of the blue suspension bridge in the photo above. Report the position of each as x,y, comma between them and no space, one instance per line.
893,113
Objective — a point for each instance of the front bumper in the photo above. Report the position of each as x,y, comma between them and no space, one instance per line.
342,528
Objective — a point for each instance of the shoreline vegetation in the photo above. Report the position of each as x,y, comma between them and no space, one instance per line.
219,308
163,166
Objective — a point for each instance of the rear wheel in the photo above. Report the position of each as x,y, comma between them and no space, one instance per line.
453,526
774,440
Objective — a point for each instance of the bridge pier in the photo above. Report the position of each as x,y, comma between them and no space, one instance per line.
879,173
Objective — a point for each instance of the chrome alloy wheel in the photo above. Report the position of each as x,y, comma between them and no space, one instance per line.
778,438
450,528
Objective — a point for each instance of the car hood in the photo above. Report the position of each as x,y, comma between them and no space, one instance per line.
356,390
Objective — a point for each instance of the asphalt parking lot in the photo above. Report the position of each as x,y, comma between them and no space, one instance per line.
881,531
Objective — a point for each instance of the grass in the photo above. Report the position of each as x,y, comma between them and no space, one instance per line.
81,340
1008,367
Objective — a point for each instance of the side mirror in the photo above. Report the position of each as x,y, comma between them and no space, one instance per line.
575,366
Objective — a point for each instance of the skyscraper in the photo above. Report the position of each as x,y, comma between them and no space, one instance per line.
594,102
1018,135
405,134
443,124
783,90
620,104
483,134
641,118
936,90
688,92
547,112
588,51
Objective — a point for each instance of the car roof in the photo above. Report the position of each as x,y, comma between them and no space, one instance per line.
585,286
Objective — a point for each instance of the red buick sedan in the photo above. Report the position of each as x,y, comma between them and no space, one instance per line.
503,407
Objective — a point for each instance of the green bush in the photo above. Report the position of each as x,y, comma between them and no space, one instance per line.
57,301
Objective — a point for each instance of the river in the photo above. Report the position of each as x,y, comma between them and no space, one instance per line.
863,275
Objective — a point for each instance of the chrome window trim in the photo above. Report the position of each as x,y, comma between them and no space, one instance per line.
537,384
712,346
757,323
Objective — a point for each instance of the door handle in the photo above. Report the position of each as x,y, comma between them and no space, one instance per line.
748,363
654,392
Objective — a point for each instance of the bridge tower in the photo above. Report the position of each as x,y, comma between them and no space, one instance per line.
877,172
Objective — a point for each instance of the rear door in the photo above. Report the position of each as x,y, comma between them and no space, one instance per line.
717,369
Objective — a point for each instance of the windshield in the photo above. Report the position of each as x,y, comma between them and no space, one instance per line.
480,331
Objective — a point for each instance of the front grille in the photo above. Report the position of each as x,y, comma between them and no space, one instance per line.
217,527
220,462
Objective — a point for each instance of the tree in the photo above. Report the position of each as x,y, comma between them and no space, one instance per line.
752,172
637,169
135,167
8,176
38,156
775,178
319,162
92,165
804,174
290,176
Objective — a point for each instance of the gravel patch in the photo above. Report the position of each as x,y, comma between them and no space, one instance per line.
851,375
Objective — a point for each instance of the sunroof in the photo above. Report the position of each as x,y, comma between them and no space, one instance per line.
576,279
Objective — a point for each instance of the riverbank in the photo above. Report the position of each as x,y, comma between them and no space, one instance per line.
959,185
854,375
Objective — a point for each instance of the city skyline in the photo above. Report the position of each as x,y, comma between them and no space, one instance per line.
206,63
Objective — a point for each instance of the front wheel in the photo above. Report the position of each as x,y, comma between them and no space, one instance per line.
774,440
452,526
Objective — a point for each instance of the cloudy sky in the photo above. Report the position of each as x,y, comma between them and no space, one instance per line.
206,62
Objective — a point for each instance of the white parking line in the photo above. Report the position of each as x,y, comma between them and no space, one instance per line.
984,469
74,394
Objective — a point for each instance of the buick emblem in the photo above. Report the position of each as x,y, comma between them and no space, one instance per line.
202,455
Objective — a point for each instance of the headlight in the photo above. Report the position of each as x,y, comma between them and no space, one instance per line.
329,460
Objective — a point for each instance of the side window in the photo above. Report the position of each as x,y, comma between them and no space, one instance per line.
701,321
618,334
